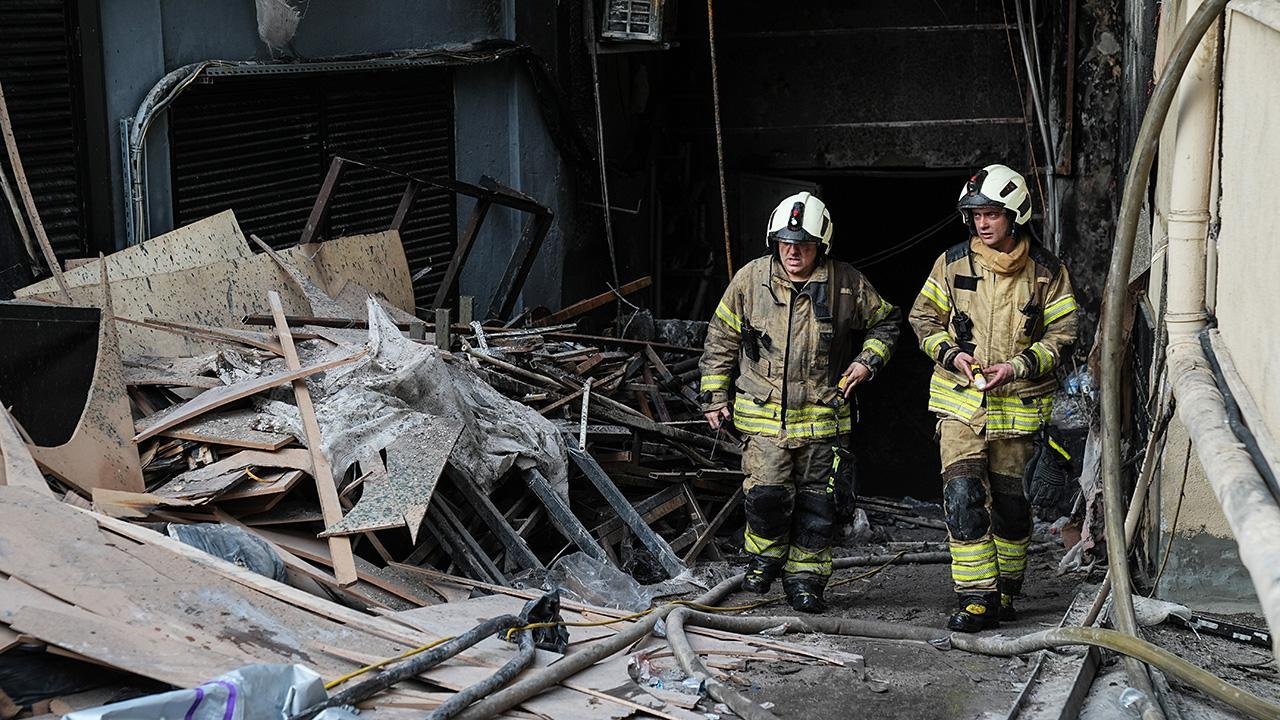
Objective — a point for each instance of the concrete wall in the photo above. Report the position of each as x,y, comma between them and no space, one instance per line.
1248,254
498,130
1203,568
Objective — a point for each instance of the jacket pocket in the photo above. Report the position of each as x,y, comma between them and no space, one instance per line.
753,382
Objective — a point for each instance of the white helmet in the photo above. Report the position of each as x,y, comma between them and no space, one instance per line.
996,186
798,219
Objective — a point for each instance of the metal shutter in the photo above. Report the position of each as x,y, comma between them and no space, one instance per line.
261,146
40,70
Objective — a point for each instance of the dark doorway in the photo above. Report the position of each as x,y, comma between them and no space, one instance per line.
892,226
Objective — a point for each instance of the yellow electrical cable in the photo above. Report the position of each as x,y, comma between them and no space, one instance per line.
255,478
597,623
381,663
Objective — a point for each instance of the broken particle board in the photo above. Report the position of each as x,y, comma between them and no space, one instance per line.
366,260
154,610
220,294
214,239
213,479
17,467
133,506
218,397
234,428
273,485
96,451
320,303
398,496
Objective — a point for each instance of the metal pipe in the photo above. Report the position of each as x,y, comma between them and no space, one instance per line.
156,100
169,87
1113,347
1051,193
1188,213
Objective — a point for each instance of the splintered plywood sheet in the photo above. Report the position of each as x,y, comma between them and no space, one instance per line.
399,498
147,598
213,479
233,428
220,294
365,261
214,239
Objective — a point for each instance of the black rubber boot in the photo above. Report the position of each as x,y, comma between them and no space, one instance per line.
1008,612
977,612
804,592
761,572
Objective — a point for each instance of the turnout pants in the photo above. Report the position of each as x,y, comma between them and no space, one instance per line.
789,504
988,517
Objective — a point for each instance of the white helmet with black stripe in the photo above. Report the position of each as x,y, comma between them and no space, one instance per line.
996,186
800,218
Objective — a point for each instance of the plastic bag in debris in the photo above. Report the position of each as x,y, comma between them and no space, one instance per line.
371,403
598,583
249,693
233,545
1074,402
29,674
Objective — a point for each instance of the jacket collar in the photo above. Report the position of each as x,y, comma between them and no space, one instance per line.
779,275
1009,263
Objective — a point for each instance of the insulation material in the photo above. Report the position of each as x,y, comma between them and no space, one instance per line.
404,385
398,495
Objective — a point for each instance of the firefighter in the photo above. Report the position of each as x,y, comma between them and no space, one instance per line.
792,337
994,315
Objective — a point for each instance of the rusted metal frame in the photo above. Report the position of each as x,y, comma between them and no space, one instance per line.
516,549
508,290
321,205
710,532
652,541
465,242
406,204
561,516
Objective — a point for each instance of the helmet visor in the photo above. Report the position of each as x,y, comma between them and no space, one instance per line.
791,236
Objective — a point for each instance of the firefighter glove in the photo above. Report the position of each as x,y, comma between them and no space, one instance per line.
844,483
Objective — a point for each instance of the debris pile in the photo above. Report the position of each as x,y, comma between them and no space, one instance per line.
267,458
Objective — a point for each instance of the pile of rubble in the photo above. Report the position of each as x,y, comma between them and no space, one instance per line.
331,489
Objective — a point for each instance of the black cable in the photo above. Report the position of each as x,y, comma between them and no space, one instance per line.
499,679
1236,420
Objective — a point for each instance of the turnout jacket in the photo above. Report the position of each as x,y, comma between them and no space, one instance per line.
1016,308
776,352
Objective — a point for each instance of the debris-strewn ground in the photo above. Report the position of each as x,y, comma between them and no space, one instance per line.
906,679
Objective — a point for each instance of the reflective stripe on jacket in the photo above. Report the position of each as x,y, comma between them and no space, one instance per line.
771,346
1024,317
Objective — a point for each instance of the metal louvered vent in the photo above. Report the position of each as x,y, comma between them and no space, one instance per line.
40,71
632,20
261,147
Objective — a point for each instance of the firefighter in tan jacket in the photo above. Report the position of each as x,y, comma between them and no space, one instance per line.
994,316
793,335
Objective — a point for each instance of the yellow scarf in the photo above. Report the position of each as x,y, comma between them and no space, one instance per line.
1002,263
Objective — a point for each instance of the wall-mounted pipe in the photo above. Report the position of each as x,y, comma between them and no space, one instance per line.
1113,347
1253,517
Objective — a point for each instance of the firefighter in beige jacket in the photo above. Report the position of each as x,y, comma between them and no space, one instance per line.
994,316
793,335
